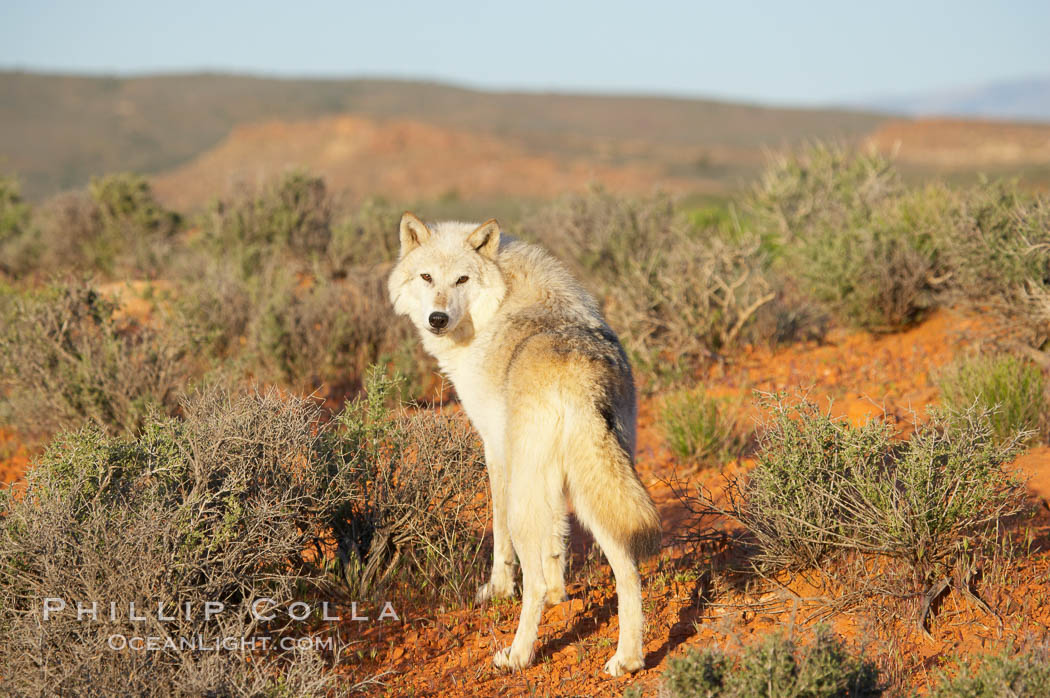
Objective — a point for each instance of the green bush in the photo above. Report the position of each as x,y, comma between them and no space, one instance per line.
775,668
424,474
116,228
999,255
1025,675
15,226
365,238
1012,391
289,217
855,240
135,234
822,488
67,358
303,331
128,210
819,187
697,428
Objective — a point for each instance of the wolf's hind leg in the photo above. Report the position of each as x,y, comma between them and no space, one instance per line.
554,551
628,656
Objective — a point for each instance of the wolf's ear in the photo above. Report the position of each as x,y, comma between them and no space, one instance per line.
485,239
414,233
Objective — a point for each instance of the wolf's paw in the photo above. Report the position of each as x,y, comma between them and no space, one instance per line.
494,590
556,596
510,659
620,665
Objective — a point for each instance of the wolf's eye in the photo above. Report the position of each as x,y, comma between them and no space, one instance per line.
426,277
462,280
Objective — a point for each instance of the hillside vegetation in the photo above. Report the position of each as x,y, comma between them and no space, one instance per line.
58,131
221,405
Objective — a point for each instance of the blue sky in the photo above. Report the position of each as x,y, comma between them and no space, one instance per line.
775,52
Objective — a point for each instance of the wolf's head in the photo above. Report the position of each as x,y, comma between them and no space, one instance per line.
446,279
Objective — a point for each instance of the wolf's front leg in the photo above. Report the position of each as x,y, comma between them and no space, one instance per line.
501,580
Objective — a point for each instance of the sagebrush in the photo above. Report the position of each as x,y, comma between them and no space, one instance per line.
1011,391
774,668
68,357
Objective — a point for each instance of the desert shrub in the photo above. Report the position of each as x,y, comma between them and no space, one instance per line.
217,302
116,228
999,254
136,235
854,239
883,273
1025,675
676,294
422,521
1011,391
290,216
243,497
68,358
821,186
698,428
367,237
15,226
222,506
823,488
14,211
128,210
774,668
69,225
327,329
299,329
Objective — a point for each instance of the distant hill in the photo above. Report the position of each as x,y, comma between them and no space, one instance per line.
57,131
956,144
1015,100
404,161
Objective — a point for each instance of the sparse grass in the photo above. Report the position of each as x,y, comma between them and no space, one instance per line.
774,668
1011,391
1024,675
700,428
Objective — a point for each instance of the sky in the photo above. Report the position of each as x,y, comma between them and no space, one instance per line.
797,52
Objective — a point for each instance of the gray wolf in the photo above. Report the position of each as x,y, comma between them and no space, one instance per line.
548,386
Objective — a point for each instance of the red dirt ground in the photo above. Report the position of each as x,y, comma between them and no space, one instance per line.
448,651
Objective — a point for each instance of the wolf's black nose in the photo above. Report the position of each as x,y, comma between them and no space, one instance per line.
438,320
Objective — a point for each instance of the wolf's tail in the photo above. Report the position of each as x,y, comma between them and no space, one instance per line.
607,496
